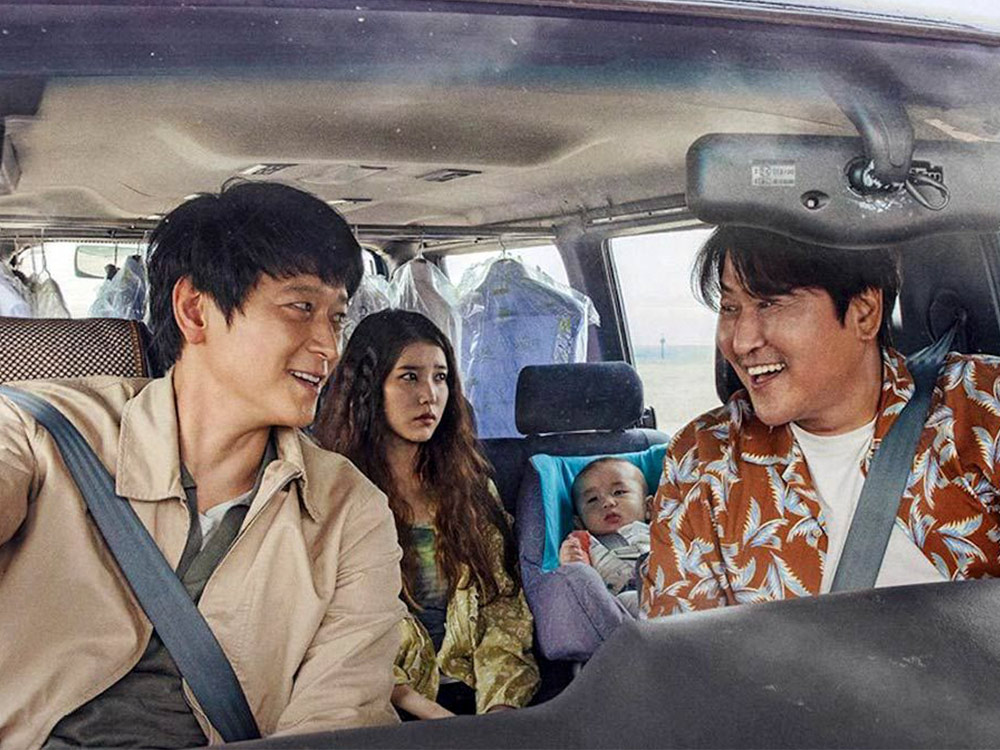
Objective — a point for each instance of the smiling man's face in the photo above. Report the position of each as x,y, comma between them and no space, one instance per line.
277,352
798,361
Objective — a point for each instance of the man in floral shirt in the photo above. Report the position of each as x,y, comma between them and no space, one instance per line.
757,496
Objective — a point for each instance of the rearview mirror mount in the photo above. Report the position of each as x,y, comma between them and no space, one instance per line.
801,186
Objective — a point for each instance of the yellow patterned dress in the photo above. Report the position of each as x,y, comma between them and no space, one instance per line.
487,645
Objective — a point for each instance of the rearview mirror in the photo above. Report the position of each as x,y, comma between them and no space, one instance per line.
812,188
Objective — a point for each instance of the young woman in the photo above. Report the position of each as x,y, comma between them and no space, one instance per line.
395,408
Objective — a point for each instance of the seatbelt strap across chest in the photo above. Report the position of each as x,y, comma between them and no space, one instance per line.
888,473
177,621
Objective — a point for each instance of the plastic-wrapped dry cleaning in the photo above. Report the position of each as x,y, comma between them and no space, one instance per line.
514,316
372,296
422,287
124,294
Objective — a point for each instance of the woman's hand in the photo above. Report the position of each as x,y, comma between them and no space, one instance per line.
408,699
572,550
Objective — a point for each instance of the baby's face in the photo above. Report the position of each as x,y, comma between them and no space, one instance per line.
611,495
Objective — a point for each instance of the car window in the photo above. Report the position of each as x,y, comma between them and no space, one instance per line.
544,257
672,334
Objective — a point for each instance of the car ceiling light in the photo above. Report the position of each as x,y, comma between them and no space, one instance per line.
337,174
264,170
447,175
347,201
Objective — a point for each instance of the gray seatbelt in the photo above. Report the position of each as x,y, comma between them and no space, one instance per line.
612,541
177,621
888,473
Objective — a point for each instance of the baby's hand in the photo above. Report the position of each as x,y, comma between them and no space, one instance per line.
575,548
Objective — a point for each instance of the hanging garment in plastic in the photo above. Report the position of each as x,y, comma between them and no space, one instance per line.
514,317
15,297
43,293
46,297
371,296
99,306
123,295
422,287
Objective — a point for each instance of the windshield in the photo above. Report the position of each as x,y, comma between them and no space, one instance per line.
978,14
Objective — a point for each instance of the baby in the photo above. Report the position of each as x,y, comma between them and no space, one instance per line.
613,502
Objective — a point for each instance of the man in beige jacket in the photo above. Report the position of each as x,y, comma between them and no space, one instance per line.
289,552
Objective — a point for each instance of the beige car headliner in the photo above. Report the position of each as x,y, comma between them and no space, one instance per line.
131,148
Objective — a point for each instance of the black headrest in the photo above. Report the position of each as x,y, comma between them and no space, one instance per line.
33,348
585,396
727,382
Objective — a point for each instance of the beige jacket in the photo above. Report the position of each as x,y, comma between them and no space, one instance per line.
305,603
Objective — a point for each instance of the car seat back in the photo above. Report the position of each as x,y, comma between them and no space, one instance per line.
567,410
571,409
35,348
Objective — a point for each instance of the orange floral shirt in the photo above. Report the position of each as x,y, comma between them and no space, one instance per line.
737,518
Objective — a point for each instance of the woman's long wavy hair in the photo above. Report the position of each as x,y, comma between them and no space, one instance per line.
450,466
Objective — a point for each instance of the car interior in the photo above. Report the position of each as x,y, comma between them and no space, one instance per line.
602,139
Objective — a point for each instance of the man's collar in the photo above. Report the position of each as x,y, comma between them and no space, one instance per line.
897,389
149,445
149,449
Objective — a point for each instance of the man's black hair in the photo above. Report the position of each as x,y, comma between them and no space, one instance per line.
224,242
769,264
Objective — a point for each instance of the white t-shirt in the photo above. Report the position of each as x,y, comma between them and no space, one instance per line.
212,518
835,464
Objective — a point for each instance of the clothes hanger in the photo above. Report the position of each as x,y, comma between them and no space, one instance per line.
45,261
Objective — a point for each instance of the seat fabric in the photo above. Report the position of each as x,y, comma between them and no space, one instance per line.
36,348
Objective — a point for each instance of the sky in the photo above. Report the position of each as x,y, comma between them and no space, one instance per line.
655,275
